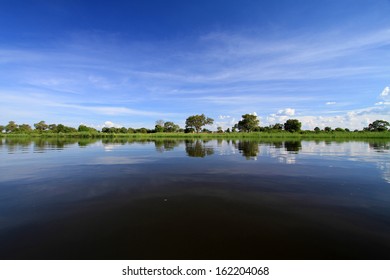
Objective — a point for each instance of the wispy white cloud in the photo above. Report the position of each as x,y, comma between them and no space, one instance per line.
305,57
286,112
225,122
384,96
385,93
111,124
357,118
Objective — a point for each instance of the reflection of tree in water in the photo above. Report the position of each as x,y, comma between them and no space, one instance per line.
15,144
121,141
165,145
40,145
198,148
379,146
18,141
249,149
277,144
86,141
293,146
384,166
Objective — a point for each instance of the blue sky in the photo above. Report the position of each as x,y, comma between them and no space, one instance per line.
130,63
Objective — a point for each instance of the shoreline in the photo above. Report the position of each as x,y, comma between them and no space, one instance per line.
303,135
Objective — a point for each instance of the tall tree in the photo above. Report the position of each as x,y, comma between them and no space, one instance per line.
277,126
25,128
84,128
159,127
378,125
53,127
197,121
65,129
171,127
292,125
41,126
11,127
249,122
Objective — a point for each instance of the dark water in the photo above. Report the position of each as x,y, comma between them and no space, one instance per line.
194,200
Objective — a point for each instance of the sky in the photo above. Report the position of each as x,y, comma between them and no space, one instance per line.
131,63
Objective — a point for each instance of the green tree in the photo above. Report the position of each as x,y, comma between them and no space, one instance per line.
248,123
277,126
197,121
2,127
61,128
317,129
11,127
378,125
41,126
292,125
53,127
84,128
141,130
25,128
171,127
328,129
159,127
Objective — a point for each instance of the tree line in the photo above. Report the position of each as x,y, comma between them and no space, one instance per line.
194,124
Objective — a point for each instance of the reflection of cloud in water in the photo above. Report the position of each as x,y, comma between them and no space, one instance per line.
110,147
385,168
120,160
225,148
351,151
288,159
281,154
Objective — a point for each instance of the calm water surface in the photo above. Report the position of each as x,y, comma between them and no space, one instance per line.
171,199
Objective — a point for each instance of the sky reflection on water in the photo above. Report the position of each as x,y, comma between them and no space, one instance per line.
315,199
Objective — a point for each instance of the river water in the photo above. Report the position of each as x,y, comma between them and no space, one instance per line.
177,199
